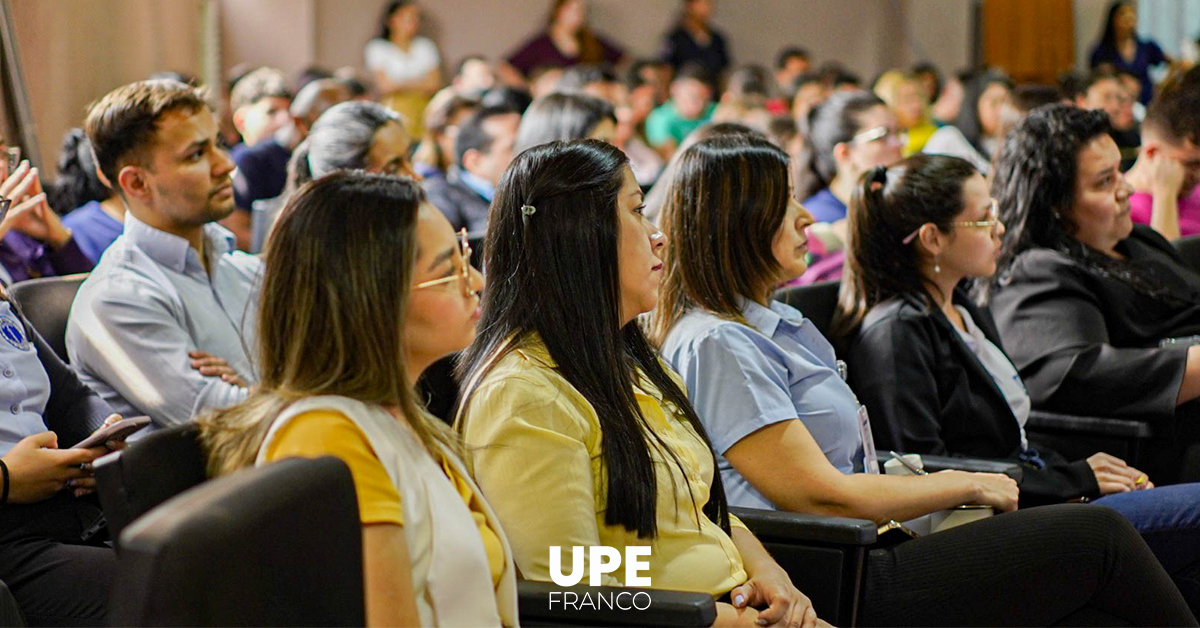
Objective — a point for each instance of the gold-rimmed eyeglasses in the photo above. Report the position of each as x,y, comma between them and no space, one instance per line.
463,275
993,219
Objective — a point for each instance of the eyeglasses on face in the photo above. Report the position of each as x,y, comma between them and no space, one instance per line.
875,134
990,223
464,272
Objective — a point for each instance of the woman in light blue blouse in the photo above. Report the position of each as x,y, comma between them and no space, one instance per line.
786,427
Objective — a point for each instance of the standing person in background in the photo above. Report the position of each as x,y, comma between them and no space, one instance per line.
94,215
694,40
406,67
690,106
1120,47
566,41
1166,177
975,133
905,96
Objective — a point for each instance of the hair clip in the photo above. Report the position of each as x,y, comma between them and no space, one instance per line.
528,210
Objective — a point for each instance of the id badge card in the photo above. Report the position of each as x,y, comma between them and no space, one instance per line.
870,459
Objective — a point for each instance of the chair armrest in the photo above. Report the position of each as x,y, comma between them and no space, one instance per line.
934,464
1121,428
600,606
792,528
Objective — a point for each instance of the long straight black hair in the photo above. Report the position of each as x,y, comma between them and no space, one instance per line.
555,274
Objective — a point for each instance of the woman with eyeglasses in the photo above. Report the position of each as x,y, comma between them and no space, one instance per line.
786,428
930,367
344,331
848,134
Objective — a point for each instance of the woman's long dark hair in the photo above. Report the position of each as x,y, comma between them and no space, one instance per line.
887,205
727,200
829,124
77,182
555,274
1108,34
1034,183
389,9
968,115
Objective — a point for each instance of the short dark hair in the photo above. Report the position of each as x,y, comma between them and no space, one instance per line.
122,124
787,54
1028,97
458,67
472,135
1174,111
1097,75
1072,84
693,71
257,85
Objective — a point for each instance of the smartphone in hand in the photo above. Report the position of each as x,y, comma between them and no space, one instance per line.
118,431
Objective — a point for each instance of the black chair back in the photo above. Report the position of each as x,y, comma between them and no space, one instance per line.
147,473
46,302
1189,250
817,302
279,545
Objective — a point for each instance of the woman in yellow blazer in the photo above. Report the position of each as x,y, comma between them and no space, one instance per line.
365,286
579,434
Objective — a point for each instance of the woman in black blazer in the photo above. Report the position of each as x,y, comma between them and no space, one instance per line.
929,366
52,555
1083,298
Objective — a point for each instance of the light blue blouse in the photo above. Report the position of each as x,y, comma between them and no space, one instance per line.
743,378
24,384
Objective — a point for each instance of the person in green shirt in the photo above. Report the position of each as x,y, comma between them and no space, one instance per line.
690,106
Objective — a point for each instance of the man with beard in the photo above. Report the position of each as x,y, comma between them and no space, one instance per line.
162,325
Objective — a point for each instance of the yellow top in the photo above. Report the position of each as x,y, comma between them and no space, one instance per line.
535,443
327,433
917,136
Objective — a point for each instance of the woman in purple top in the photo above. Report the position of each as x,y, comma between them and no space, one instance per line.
35,243
96,216
566,41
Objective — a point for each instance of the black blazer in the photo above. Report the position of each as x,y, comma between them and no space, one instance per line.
463,207
926,392
73,411
1072,332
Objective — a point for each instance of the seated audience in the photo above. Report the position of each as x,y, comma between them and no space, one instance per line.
406,297
629,135
690,106
434,155
904,96
96,216
580,436
785,133
1103,90
976,133
161,326
1166,176
561,116
405,67
262,169
515,98
352,135
473,77
810,90
848,134
928,364
930,79
566,41
694,40
654,72
484,148
790,64
34,243
1120,47
745,98
948,103
259,102
786,428
1083,297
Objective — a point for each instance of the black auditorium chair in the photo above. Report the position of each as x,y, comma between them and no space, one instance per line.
1073,436
46,302
279,545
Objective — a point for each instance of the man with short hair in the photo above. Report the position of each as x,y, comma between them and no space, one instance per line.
790,64
162,326
483,150
259,102
473,76
1103,90
690,106
1166,177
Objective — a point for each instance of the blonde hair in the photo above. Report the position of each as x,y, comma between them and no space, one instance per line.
338,273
